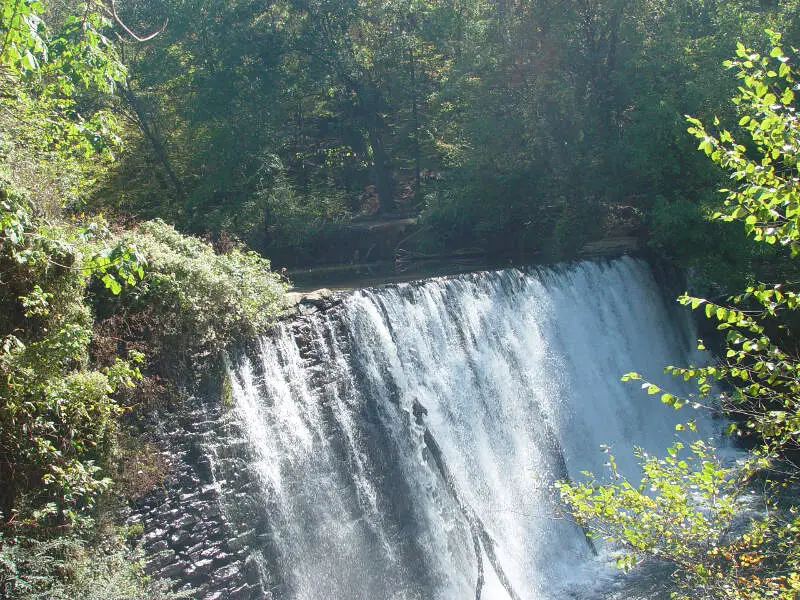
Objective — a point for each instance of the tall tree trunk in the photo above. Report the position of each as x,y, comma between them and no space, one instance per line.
383,171
150,131
9,491
370,102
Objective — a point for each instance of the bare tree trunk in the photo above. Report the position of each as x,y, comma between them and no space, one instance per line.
383,171
370,102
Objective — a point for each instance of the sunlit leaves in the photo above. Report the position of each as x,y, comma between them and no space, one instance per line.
766,199
683,511
49,73
22,35
689,509
767,202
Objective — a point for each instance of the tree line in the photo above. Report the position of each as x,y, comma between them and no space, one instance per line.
511,127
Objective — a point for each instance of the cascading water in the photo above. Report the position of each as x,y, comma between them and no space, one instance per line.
406,444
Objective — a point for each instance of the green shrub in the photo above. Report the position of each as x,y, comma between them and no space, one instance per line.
168,295
57,414
68,567
192,303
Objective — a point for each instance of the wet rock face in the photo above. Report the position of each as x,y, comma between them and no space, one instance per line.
207,527
191,535
297,304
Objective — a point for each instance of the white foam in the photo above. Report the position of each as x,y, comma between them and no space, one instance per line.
520,376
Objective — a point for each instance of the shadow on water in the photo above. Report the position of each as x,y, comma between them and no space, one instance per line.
409,266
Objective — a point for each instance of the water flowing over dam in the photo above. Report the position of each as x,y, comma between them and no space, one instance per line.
402,442
406,445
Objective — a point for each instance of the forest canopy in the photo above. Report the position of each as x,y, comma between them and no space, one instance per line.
513,128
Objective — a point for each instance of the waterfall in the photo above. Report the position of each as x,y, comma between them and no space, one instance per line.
406,443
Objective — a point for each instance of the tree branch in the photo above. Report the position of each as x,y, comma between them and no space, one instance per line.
112,9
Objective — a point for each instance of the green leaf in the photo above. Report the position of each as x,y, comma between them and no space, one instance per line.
29,62
111,284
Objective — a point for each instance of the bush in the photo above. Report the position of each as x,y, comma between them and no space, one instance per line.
67,567
191,303
60,404
57,414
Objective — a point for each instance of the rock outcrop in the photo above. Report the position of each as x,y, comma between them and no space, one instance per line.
191,534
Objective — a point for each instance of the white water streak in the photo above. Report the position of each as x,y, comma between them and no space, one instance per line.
515,376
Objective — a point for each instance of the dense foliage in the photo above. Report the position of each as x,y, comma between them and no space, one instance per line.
58,417
726,527
508,127
64,278
502,127
190,305
169,304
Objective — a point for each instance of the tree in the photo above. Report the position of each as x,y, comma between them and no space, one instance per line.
688,509
53,78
